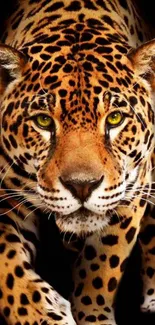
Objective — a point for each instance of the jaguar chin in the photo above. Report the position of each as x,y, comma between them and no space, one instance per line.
83,221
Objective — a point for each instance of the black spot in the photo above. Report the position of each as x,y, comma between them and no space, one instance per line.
22,311
10,281
27,265
100,300
62,92
74,6
94,266
10,299
150,292
133,153
125,223
97,283
19,271
102,317
85,37
15,181
10,108
103,257
150,272
35,65
87,66
7,144
36,49
103,83
2,248
141,120
93,21
45,57
123,264
12,238
146,136
130,234
101,41
67,68
97,90
110,240
13,141
109,78
91,318
133,101
23,299
54,6
90,252
112,284
45,290
54,316
80,315
138,156
111,66
107,309
79,289
142,201
134,129
49,79
6,311
121,49
142,100
52,49
114,261
86,300
1,294
36,296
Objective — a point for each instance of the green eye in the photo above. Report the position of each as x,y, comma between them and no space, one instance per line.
43,121
114,119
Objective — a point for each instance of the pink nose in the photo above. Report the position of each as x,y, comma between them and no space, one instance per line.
81,190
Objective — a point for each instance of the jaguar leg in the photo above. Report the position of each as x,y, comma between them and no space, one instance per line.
24,297
147,242
99,269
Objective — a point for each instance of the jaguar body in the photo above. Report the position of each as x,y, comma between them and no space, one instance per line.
77,141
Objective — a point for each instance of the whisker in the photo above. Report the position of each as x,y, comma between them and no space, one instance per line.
6,174
146,200
38,206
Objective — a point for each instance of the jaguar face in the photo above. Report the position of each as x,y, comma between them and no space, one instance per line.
84,139
93,166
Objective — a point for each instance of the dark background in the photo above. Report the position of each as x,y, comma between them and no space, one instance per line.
55,264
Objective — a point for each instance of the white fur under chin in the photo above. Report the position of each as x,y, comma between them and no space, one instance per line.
81,223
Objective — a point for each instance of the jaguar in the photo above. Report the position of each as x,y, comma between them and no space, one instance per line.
77,145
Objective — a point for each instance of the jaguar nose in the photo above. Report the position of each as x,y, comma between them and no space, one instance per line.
81,190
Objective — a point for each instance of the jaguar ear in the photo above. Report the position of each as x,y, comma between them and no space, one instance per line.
143,61
11,64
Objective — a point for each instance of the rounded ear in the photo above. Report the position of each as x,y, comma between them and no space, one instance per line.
143,61
11,64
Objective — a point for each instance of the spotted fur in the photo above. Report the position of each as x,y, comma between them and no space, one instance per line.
73,63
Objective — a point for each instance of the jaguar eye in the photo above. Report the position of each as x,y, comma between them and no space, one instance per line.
114,119
43,121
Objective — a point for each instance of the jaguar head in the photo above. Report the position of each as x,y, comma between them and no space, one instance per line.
86,138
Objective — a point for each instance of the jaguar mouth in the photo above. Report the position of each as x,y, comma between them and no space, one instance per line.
83,213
